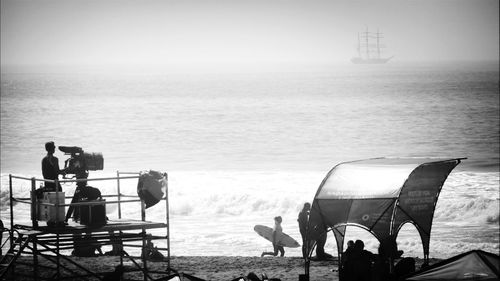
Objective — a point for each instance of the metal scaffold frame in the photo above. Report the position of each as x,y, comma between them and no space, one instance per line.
47,242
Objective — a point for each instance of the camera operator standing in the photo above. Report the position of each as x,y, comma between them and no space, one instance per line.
50,167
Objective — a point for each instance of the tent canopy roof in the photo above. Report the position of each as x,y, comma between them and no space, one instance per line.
380,195
371,178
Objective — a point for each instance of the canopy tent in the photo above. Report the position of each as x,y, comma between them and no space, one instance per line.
379,195
473,265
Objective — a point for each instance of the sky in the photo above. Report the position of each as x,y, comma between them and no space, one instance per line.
242,31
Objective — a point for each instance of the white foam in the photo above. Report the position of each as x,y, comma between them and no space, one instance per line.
213,213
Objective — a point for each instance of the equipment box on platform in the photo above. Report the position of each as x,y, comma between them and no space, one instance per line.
51,213
92,214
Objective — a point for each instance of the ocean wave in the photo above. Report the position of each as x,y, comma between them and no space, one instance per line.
4,200
466,196
228,204
469,198
467,210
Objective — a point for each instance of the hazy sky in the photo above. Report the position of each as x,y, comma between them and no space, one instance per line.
213,31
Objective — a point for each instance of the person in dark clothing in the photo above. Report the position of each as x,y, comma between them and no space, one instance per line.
404,266
346,255
303,221
389,248
381,267
320,246
348,263
359,264
50,167
346,268
387,252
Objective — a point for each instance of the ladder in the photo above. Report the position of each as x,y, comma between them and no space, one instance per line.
9,259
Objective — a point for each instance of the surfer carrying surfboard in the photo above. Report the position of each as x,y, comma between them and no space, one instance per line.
277,232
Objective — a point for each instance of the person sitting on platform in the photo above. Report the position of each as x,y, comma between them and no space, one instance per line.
84,192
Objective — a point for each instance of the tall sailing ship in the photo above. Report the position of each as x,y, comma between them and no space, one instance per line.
370,48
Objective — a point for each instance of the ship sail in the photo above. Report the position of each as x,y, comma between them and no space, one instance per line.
370,48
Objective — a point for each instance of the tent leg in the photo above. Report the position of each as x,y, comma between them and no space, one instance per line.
305,276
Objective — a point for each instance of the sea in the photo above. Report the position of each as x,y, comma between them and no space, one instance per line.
243,145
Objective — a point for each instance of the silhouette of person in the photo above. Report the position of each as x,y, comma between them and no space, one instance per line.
80,186
346,268
346,255
303,220
320,245
404,266
277,232
50,167
362,262
389,248
381,268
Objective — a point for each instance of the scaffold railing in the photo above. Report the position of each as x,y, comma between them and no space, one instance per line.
51,242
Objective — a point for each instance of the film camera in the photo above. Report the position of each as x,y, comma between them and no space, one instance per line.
78,164
81,162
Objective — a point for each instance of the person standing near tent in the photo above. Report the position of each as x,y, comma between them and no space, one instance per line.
303,220
277,233
320,246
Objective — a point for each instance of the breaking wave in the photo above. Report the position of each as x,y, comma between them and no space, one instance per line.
226,204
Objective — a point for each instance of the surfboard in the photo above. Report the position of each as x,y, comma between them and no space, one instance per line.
284,240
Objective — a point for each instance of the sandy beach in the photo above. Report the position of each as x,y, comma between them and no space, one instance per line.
212,268
228,268
208,267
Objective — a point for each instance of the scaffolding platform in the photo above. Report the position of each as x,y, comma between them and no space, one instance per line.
111,225
48,247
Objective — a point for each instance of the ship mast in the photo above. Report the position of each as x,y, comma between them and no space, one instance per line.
359,46
367,34
378,44
373,51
